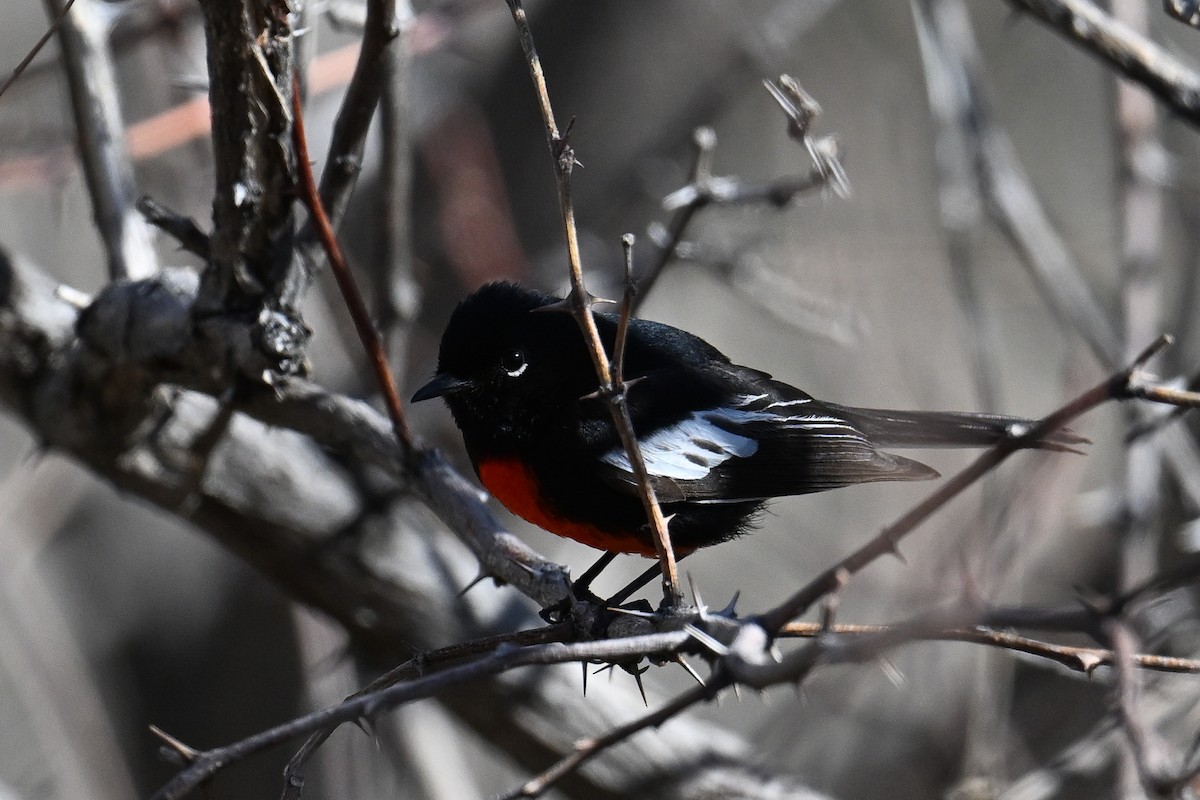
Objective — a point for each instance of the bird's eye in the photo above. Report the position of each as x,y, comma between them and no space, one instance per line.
513,363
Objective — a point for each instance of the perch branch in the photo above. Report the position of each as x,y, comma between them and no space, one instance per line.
580,303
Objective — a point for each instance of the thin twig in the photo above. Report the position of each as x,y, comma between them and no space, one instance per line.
589,748
888,540
37,47
1079,659
344,160
704,189
580,303
367,333
1136,57
1149,752
704,142
422,664
183,230
946,46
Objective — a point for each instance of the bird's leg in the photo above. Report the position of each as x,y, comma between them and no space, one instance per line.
581,588
637,583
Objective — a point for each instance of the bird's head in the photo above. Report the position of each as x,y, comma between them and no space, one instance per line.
507,366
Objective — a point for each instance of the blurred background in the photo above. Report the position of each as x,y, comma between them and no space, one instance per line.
906,293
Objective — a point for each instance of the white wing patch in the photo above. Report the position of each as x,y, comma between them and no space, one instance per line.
694,447
687,450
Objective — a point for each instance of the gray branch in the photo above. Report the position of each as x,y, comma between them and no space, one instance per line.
282,501
101,138
1172,80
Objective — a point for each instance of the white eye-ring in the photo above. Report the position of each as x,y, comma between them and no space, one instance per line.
513,363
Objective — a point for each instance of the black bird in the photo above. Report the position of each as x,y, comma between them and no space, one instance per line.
718,439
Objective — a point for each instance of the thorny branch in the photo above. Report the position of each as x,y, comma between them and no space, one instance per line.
888,540
368,705
580,302
740,652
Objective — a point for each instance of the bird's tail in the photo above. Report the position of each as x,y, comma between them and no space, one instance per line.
902,429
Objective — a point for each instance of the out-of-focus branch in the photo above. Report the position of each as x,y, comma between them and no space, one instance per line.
942,27
1171,80
1079,659
23,64
395,287
705,189
100,129
343,162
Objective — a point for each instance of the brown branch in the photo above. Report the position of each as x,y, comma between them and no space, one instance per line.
1079,659
1171,80
343,162
888,540
580,303
37,48
368,334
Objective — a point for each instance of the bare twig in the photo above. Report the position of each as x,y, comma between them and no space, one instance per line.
1149,751
183,229
1174,82
37,48
704,189
344,159
589,748
251,64
704,142
943,34
888,540
368,334
1080,659
580,303
101,138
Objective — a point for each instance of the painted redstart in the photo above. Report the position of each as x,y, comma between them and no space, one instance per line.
718,439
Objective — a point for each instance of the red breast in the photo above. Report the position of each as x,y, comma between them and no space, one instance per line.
514,485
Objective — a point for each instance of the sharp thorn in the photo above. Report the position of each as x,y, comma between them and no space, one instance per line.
730,609
637,677
706,640
681,661
478,579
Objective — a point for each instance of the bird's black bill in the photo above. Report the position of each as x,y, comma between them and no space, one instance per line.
440,386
